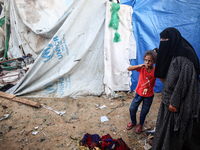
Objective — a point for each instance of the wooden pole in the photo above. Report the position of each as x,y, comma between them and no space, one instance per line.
19,99
22,50
8,60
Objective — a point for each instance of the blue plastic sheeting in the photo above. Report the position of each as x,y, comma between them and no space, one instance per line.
150,17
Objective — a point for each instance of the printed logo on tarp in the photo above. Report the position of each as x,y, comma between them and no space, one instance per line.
64,45
48,53
51,87
59,48
62,85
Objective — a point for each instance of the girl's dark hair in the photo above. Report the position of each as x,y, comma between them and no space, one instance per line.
153,53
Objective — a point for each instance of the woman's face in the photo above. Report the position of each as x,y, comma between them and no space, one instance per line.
162,39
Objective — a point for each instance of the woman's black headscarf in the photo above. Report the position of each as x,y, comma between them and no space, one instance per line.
175,46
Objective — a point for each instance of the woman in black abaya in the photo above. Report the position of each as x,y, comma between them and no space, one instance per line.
178,65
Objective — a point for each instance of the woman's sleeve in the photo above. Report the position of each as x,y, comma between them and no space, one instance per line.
178,78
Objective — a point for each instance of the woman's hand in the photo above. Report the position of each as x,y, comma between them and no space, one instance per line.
172,108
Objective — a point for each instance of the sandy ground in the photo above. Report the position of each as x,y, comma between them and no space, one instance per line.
29,128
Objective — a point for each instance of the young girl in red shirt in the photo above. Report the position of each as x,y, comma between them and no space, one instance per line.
144,90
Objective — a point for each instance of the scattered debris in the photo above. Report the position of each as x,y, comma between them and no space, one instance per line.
113,128
120,105
152,131
104,118
102,106
97,106
80,105
4,107
73,138
147,146
72,119
58,112
35,132
28,132
42,127
146,127
45,135
9,128
6,116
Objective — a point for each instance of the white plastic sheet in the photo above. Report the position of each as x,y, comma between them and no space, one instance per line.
72,60
117,55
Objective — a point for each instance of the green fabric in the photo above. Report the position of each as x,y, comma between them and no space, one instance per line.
9,68
4,66
2,21
117,37
7,40
114,22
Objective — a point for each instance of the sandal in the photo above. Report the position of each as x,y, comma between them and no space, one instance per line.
138,130
130,126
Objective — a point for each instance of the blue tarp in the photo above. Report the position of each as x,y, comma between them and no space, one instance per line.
150,17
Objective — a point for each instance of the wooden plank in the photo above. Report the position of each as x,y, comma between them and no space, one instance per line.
22,50
7,95
19,99
25,101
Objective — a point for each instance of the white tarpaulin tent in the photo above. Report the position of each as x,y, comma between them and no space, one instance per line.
73,47
117,55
